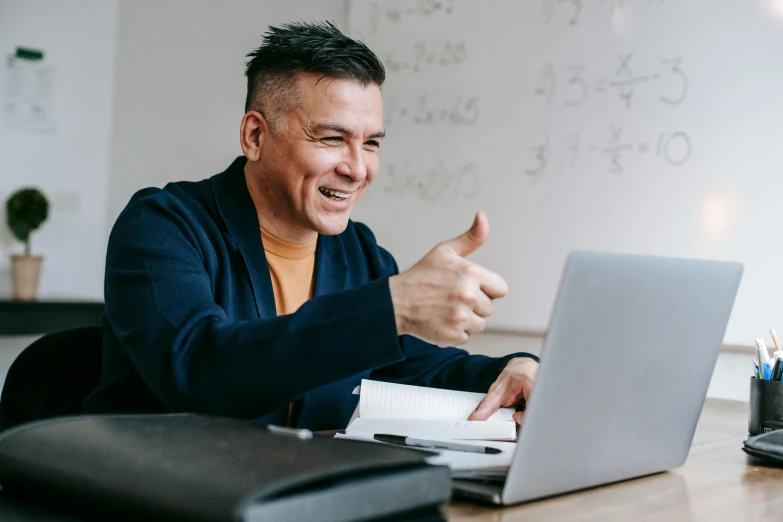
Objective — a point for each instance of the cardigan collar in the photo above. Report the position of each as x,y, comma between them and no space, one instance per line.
239,214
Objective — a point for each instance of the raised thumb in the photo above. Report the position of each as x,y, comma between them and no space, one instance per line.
474,237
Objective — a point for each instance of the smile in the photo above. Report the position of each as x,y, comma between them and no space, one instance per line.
333,193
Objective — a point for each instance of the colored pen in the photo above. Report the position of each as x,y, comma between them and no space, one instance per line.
775,339
763,356
756,369
401,440
777,371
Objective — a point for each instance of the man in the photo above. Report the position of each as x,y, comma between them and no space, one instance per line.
252,294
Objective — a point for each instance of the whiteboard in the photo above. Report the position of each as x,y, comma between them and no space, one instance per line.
638,126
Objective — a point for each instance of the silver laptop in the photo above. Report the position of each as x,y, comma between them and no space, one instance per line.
629,355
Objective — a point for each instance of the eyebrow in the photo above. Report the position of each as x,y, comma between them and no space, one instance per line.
336,127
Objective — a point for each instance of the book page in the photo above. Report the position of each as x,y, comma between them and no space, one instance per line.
384,400
434,429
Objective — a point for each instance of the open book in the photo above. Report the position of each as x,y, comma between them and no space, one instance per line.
427,413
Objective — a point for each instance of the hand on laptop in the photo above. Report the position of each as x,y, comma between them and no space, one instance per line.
512,386
444,298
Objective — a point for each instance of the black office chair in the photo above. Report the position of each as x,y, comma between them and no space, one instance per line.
52,376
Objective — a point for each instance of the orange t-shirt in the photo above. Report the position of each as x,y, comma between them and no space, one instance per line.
291,267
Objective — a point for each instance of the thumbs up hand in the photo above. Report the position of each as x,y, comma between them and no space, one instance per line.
444,298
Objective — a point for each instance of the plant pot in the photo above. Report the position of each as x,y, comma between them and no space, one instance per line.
25,272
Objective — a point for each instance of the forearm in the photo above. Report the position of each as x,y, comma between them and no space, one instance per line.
206,363
473,372
449,368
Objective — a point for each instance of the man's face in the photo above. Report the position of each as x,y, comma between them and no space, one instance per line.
318,166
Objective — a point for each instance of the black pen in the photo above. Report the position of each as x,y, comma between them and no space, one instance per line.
401,440
777,370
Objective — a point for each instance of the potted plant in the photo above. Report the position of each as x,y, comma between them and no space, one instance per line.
26,210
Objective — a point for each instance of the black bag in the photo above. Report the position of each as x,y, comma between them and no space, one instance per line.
767,446
203,468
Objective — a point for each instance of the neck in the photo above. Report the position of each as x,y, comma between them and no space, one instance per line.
270,218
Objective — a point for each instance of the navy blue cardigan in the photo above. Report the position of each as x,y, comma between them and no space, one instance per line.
190,322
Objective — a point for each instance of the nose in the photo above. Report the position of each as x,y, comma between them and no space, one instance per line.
353,166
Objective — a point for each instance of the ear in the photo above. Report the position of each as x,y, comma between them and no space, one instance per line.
252,131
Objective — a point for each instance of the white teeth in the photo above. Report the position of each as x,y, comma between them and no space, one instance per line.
334,193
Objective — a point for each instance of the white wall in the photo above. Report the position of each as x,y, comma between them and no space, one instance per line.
71,164
730,380
172,113
181,87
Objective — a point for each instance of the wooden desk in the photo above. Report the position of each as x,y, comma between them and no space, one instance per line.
717,483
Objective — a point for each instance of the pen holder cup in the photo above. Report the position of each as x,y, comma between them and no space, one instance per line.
766,406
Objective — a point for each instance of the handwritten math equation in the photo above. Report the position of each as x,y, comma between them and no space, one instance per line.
423,56
460,111
402,11
672,148
436,183
573,85
572,12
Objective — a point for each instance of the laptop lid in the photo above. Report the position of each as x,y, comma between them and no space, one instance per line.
629,355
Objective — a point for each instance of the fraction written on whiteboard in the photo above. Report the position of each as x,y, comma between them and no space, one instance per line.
573,85
673,148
